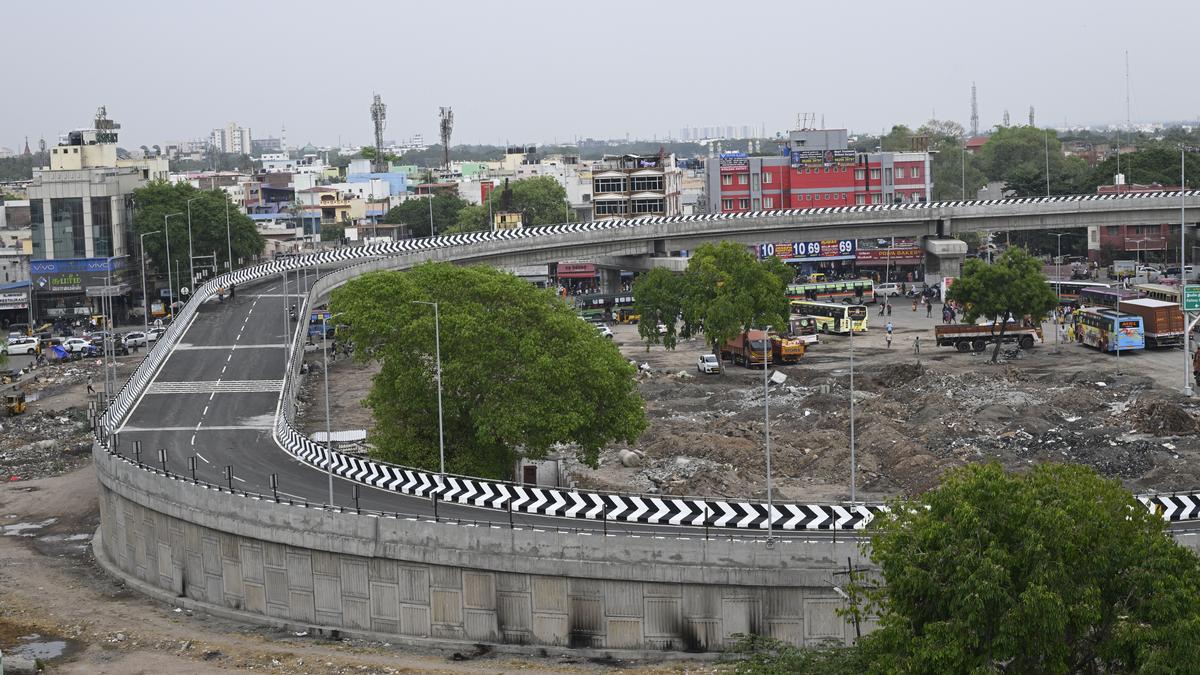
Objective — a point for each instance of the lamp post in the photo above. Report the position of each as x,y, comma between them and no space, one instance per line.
854,313
110,359
228,237
437,342
145,304
1187,387
767,432
191,267
328,432
170,288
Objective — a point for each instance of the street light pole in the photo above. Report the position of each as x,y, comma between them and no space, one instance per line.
853,466
767,432
328,432
228,237
437,342
145,304
191,266
170,288
1187,361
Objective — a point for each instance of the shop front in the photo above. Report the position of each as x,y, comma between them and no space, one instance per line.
74,289
14,304
890,260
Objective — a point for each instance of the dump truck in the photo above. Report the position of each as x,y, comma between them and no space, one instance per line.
787,349
748,349
966,337
1162,321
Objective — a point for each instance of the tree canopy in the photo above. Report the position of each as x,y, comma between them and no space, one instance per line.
521,372
1155,164
1013,286
160,199
724,292
1018,156
415,213
1052,571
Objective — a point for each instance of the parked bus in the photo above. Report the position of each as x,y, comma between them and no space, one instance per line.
1068,291
1162,292
1109,331
1105,296
830,317
849,291
605,306
804,327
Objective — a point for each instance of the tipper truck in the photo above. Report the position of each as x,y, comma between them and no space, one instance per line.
1162,321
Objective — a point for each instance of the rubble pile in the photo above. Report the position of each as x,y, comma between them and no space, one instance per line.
39,443
912,423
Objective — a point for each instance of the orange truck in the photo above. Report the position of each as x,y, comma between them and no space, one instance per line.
787,349
750,349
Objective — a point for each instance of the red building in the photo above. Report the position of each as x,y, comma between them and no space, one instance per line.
1144,242
816,170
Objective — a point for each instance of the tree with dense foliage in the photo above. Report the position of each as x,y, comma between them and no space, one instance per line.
899,139
521,372
540,200
1155,164
1052,571
1011,288
724,292
470,218
1018,157
159,199
415,212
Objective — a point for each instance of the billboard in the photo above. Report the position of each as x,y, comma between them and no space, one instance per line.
74,275
826,158
808,251
19,300
734,161
907,255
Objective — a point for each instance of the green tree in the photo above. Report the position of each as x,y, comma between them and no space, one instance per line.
521,372
470,218
159,199
333,232
724,292
415,213
899,139
1012,287
1018,156
1156,164
956,173
1052,571
540,201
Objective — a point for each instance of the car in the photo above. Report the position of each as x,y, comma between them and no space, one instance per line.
153,334
97,337
604,330
76,345
23,345
888,290
135,339
708,363
662,329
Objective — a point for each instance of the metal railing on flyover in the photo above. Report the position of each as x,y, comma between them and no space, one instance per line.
643,509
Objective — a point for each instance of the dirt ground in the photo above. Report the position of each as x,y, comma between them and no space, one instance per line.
916,415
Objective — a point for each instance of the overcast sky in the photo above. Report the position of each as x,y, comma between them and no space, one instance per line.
557,69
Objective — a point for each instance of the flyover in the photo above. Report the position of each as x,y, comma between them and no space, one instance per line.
230,516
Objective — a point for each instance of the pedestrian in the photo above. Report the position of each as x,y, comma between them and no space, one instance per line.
928,308
232,291
883,306
914,304
889,328
889,309
917,345
91,390
888,337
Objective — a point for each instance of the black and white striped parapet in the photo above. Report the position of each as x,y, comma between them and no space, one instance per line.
503,496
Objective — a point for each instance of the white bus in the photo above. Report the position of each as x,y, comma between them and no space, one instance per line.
830,317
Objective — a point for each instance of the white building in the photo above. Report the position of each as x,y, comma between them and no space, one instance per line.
632,186
232,138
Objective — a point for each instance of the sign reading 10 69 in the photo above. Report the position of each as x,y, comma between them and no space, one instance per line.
825,248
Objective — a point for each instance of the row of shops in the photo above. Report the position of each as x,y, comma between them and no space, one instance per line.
893,259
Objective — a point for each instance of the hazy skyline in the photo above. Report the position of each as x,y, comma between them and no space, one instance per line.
545,71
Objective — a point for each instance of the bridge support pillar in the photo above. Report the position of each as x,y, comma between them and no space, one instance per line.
943,258
610,280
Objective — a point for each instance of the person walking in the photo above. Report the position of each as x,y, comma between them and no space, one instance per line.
928,308
889,309
90,389
917,345
888,338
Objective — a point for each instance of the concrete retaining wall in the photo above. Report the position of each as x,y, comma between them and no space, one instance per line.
442,581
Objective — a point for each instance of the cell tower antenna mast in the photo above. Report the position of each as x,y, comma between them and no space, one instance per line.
974,112
379,117
446,127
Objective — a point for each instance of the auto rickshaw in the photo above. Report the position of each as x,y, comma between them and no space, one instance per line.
14,403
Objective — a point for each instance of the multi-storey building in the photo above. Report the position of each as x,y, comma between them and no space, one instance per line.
816,169
634,186
81,212
232,138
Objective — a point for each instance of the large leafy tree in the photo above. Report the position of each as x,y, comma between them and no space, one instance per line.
160,199
1011,288
724,292
415,213
1018,156
521,372
1157,164
1052,571
540,200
